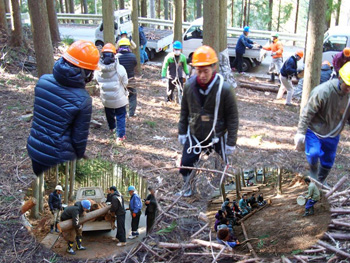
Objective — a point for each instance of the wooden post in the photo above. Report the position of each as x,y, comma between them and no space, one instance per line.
264,175
237,182
66,180
35,192
223,192
41,192
242,175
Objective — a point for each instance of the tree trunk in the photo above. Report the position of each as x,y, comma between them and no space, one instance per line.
223,26
211,24
279,181
178,20
248,12
66,183
57,174
41,36
314,48
166,9
329,11
16,25
244,13
41,193
53,22
61,6
136,37
185,10
238,185
279,16
270,14
233,13
264,175
159,5
199,8
85,10
108,21
121,4
73,165
296,20
242,178
338,13
34,213
144,8
152,8
3,21
71,8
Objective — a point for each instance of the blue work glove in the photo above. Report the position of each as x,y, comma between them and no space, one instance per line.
182,139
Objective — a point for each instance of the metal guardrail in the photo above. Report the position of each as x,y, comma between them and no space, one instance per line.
185,25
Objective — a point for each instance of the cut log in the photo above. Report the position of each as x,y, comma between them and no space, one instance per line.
210,244
339,236
333,249
68,224
337,185
176,245
340,223
28,205
258,87
345,192
340,211
248,244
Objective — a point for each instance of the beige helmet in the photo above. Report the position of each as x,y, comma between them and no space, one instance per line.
59,188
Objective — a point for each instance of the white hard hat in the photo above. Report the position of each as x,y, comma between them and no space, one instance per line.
58,187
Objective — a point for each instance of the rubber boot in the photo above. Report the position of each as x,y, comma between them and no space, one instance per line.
51,229
313,170
311,211
70,248
322,175
272,77
79,246
306,212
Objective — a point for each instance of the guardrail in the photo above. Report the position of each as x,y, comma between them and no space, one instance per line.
169,23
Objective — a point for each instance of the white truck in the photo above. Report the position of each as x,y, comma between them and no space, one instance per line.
157,40
193,38
334,41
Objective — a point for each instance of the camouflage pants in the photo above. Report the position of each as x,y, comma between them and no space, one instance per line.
72,234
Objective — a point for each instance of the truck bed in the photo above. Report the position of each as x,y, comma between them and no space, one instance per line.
158,39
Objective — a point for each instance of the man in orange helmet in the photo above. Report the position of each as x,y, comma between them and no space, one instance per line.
62,109
209,115
288,70
340,59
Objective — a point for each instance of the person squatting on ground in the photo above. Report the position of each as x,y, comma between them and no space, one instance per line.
143,43
218,216
326,71
224,237
243,42
117,207
128,60
135,207
151,209
229,214
225,223
288,70
124,34
261,201
321,122
62,109
209,115
112,80
173,65
276,49
313,195
252,202
75,212
340,59
243,205
55,205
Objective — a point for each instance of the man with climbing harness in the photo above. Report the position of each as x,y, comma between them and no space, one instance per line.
174,64
209,115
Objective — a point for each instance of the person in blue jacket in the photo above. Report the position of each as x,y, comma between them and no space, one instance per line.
326,71
62,109
243,42
135,207
143,42
55,204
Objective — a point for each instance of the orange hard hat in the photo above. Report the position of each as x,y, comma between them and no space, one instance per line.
83,54
300,53
109,48
204,56
326,62
346,52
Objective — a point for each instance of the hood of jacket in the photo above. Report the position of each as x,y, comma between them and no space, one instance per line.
68,75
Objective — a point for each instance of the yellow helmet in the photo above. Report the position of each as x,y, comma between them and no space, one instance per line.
344,73
124,42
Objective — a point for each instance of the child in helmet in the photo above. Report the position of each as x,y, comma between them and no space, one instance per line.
123,35
112,80
173,65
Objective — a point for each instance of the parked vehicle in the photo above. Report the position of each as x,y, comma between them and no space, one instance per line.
193,38
334,41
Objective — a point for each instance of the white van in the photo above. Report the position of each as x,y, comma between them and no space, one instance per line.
335,40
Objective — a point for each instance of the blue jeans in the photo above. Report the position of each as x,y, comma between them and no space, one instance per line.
116,114
143,54
323,149
310,203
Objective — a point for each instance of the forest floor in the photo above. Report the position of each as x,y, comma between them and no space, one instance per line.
265,138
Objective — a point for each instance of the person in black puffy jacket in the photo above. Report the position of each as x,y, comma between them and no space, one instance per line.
62,109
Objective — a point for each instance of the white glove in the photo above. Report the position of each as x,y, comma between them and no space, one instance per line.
299,140
273,54
187,77
230,149
182,139
164,80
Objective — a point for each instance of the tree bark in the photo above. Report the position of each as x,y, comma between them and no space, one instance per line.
314,48
296,20
73,165
279,181
136,37
244,13
61,6
158,8
199,8
166,9
16,25
41,193
108,21
279,16
7,6
144,8
121,4
177,20
248,12
233,13
66,183
53,22
41,36
34,213
85,9
29,204
3,21
338,13
152,8
329,11
57,174
71,8
185,10
211,24
270,14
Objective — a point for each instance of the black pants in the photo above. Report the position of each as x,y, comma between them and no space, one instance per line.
172,88
121,235
132,101
188,159
135,222
39,168
238,62
150,221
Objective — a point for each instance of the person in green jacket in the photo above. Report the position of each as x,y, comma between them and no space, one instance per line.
173,65
313,195
321,122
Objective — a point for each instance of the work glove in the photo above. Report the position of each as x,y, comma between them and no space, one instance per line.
230,149
182,139
133,215
299,140
187,77
273,54
164,80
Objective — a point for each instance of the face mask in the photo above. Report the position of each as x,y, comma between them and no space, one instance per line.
177,52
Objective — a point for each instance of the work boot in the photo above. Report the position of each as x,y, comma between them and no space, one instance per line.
313,170
56,228
311,211
306,212
272,77
79,246
51,229
322,175
70,248
186,188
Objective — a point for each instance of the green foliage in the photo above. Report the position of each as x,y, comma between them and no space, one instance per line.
298,251
260,244
168,229
67,40
151,124
286,11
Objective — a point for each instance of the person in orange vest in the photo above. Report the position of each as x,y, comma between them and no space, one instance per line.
276,49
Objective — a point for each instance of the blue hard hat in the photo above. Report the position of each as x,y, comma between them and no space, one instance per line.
131,188
246,29
123,32
86,204
177,45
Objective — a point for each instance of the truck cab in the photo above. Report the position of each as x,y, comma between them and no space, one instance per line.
335,40
122,21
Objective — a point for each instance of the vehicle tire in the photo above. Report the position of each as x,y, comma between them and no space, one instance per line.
246,66
99,44
150,54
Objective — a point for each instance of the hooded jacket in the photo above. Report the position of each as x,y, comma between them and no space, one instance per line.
117,204
73,212
112,80
200,118
55,201
143,39
135,204
62,114
243,42
289,67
